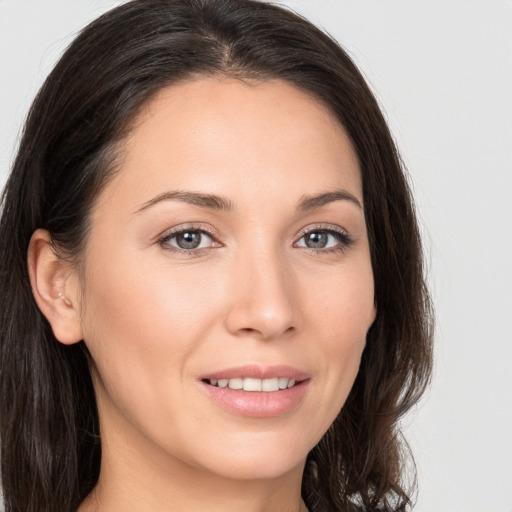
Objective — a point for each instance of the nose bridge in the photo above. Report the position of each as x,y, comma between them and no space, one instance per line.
262,294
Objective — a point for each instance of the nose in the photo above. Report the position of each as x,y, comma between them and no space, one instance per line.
262,297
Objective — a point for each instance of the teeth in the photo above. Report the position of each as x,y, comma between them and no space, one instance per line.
250,384
270,384
236,383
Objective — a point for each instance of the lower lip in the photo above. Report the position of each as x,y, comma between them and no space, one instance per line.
258,404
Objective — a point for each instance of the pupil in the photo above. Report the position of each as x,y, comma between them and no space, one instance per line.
188,240
316,240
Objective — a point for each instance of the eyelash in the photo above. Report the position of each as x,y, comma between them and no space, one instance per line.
163,241
345,240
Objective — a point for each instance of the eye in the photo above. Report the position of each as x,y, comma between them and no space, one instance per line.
187,239
324,239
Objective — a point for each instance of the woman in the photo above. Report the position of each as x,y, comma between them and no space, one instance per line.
212,290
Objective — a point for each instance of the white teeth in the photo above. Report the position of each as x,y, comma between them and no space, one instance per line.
250,384
270,384
236,383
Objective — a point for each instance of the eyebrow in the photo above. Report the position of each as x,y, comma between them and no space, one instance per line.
210,201
214,202
317,201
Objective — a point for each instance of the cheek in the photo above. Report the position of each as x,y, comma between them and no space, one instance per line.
341,304
144,331
135,297
341,312
141,327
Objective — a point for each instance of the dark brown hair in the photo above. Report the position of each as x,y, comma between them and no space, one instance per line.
50,439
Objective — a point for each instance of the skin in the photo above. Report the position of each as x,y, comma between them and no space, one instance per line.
156,319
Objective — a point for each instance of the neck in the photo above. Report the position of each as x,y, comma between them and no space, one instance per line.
137,475
152,493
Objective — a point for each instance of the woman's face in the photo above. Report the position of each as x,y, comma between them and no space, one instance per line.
229,251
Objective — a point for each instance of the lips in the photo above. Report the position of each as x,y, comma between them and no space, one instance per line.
257,391
258,372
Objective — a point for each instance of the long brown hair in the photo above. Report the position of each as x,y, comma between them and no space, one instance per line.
50,438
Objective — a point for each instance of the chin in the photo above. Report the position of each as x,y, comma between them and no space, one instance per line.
260,457
255,468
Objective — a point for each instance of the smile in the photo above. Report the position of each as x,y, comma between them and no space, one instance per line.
252,384
257,391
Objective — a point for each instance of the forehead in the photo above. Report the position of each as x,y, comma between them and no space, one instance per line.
244,140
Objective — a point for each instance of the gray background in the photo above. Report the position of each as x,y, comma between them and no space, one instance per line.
442,70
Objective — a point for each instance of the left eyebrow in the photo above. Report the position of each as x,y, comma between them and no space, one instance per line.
317,201
210,201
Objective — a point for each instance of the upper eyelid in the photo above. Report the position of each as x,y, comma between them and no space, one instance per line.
172,232
323,227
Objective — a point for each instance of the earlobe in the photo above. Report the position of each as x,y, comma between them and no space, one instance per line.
54,286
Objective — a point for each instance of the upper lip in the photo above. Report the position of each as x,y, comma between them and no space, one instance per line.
255,371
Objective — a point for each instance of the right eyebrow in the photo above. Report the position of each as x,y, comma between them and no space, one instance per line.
319,200
210,201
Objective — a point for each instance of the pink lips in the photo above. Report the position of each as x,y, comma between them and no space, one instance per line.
257,404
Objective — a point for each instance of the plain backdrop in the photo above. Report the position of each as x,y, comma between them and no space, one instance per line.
442,71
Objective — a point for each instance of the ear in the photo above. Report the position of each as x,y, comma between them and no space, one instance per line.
55,287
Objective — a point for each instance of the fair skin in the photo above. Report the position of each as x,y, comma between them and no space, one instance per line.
268,284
